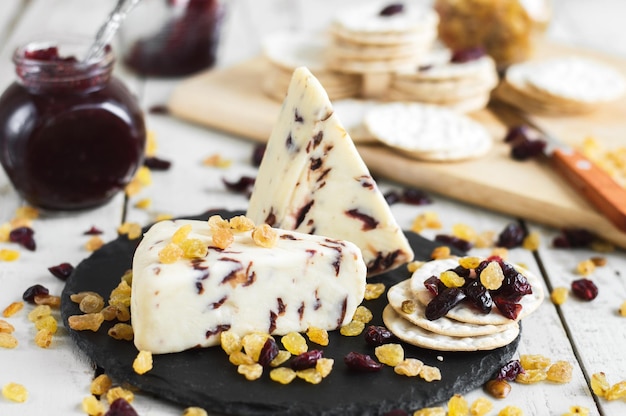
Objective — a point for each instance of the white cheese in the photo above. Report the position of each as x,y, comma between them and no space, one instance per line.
313,180
301,281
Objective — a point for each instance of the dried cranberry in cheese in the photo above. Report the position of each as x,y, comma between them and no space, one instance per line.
302,281
312,180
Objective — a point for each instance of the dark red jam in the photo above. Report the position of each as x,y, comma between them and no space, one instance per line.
71,135
187,42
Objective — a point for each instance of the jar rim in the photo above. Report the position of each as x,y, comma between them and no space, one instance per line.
61,70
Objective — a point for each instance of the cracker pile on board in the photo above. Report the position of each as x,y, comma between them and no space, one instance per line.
561,85
464,327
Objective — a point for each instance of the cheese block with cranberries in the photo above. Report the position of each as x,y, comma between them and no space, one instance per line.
300,281
313,180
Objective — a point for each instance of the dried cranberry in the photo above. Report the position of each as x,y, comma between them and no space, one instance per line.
31,292
415,196
462,271
573,238
528,149
376,335
585,289
509,308
434,285
516,134
515,285
510,370
61,271
361,362
257,154
121,407
469,54
391,9
159,109
93,231
306,360
156,163
243,185
454,241
392,197
478,296
512,236
24,237
268,352
443,302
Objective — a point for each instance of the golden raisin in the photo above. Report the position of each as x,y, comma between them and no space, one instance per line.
317,335
531,376
469,262
559,295
131,229
352,329
195,411
50,300
295,343
492,276
532,241
250,371
217,161
413,266
6,327
534,361
430,373
39,312
240,358
194,248
457,406
451,279
324,366
390,354
119,393
48,323
7,340
408,306
577,411
5,230
230,342
7,254
77,297
121,331
216,221
441,252
585,267
281,358
485,239
222,237
430,411
43,338
560,372
264,236
94,243
143,203
27,212
91,304
599,384
253,344
12,309
181,233
100,385
362,314
622,309
142,362
92,406
241,223
409,367
511,411
283,375
15,392
310,375
498,388
617,391
87,322
171,253
464,232
598,261
374,290
120,296
481,406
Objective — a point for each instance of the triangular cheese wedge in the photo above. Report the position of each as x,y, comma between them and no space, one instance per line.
313,180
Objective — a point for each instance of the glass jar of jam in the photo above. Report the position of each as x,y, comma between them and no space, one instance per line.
71,134
172,38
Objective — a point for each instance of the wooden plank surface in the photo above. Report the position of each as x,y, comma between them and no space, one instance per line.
231,100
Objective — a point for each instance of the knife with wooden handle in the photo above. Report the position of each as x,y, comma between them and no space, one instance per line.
586,177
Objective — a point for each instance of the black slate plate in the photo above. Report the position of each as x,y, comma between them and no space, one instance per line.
205,378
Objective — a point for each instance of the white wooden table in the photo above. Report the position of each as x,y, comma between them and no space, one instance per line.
590,335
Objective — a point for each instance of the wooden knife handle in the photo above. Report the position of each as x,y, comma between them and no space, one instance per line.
594,184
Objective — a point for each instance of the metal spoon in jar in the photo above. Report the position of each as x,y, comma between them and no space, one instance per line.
107,30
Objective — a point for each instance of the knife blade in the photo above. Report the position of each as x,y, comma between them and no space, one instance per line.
593,183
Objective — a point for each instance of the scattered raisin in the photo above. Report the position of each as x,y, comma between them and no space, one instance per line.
155,163
306,360
61,271
453,241
243,185
511,236
392,9
466,55
24,237
361,362
268,352
31,292
377,335
585,289
120,407
510,370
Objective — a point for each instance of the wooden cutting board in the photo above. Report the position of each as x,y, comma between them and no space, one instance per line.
231,100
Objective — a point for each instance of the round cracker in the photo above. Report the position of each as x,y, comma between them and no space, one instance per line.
465,313
291,50
366,19
415,335
400,292
482,67
415,128
577,79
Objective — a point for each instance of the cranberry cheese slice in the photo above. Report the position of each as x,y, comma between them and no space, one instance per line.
301,281
313,180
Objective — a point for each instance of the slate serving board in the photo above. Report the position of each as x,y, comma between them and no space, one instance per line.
205,378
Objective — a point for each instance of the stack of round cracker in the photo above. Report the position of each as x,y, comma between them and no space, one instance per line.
461,86
287,51
427,132
370,41
561,86
462,328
